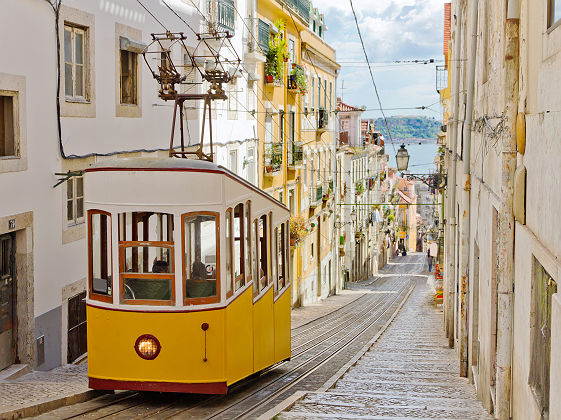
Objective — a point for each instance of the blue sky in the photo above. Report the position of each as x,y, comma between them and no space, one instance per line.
392,30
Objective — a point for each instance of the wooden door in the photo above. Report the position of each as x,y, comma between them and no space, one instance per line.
77,331
7,301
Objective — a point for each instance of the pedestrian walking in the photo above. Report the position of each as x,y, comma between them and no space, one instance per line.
429,260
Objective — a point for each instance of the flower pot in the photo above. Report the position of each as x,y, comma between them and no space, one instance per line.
269,78
292,241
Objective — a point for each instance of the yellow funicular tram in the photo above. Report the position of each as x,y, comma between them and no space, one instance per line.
189,287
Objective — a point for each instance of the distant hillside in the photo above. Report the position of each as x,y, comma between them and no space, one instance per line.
410,128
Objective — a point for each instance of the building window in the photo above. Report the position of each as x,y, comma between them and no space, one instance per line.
129,65
251,165
268,129
74,62
7,126
232,100
554,11
543,288
75,200
233,161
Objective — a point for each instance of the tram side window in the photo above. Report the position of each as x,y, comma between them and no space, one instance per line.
239,249
281,244
255,257
275,262
263,252
200,261
247,247
146,257
100,255
228,230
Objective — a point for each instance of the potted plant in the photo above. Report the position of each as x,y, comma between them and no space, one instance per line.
297,79
298,230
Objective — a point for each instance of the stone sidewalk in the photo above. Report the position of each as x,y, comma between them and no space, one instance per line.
408,373
39,392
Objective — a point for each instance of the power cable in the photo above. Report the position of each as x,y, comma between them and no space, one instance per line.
371,74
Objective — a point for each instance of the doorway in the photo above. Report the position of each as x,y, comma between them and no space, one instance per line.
7,301
77,327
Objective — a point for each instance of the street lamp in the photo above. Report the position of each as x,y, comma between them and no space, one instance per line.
402,159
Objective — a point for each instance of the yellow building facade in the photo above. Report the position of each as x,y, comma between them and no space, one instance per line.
296,131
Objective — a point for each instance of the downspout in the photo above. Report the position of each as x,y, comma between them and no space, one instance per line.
465,226
506,218
450,278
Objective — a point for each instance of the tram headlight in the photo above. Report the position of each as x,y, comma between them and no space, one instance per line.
147,346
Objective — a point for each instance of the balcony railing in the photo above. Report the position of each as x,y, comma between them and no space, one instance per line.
302,7
296,155
441,78
221,15
273,157
323,119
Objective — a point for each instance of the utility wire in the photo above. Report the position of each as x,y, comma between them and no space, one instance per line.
371,74
150,13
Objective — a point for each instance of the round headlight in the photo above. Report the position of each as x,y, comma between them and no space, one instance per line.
147,346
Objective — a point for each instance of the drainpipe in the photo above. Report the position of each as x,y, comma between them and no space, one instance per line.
506,218
450,279
465,226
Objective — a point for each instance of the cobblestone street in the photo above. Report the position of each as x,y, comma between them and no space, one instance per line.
409,373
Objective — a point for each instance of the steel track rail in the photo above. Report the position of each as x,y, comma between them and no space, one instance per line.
356,333
366,324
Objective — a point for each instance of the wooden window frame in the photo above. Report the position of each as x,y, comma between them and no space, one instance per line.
228,229
257,262
550,24
133,82
123,275
275,262
91,293
263,280
241,278
201,300
75,221
247,240
73,29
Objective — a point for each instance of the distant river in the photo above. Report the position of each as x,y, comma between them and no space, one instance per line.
421,159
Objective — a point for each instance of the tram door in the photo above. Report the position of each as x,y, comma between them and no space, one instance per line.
7,301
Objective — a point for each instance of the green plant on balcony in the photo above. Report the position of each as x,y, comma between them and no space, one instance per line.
298,230
359,188
277,55
297,79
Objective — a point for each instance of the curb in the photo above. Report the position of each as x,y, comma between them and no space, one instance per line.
46,405
299,395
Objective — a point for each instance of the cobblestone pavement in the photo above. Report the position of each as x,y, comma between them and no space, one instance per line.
43,388
409,373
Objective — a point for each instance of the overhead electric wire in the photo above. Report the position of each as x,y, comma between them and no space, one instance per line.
150,13
371,74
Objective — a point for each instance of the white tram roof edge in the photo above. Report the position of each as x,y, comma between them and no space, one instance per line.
174,165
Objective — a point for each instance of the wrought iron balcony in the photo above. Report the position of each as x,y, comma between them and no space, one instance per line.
323,119
273,158
301,7
296,155
441,78
221,15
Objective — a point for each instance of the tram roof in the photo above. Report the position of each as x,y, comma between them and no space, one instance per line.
175,164
156,163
